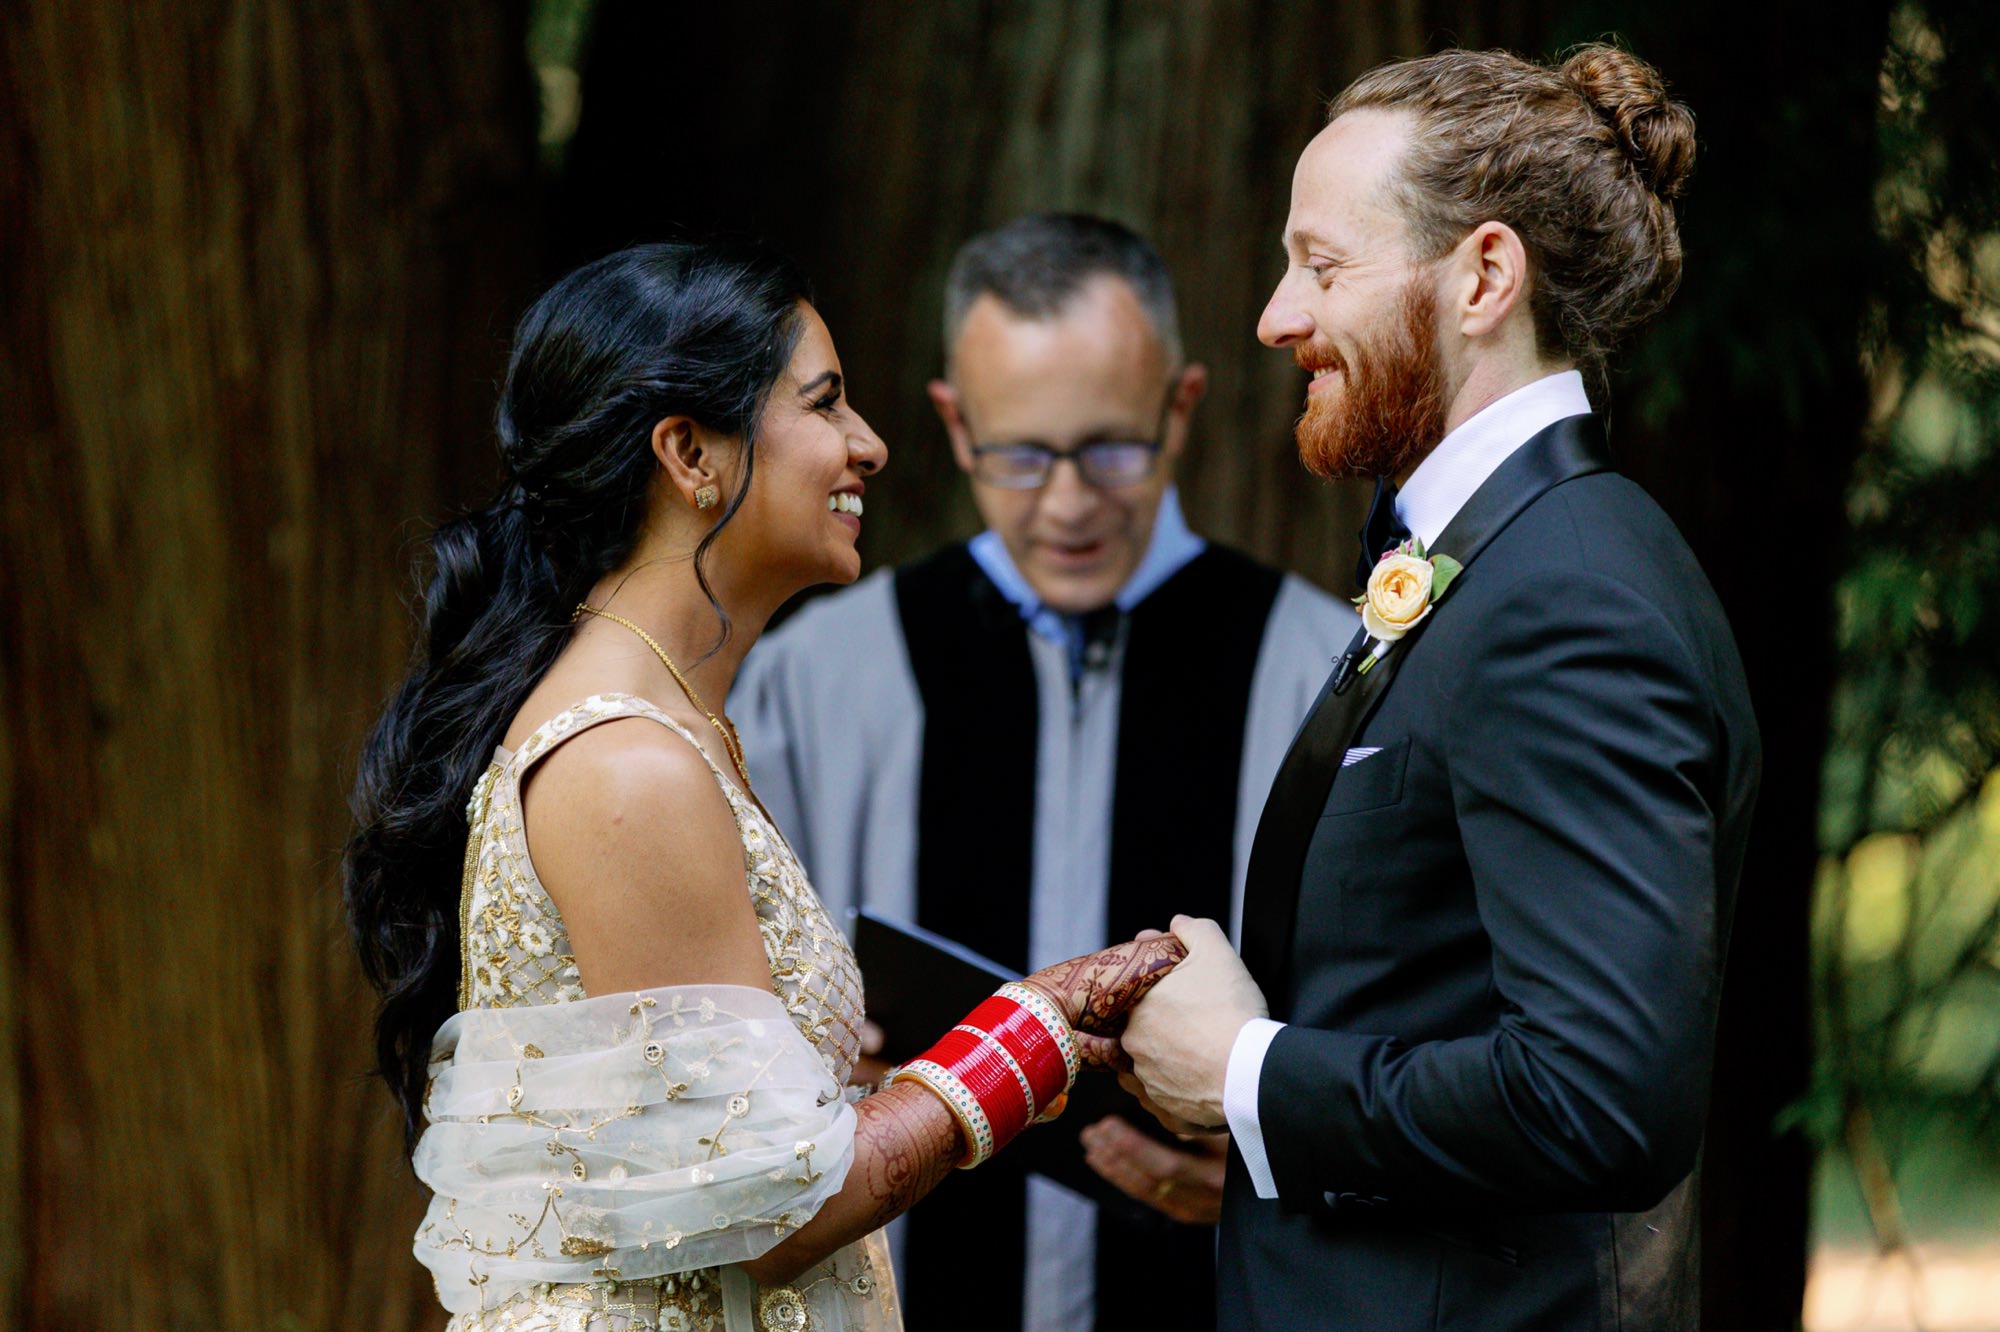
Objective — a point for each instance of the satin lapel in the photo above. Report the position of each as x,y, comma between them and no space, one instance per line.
1566,450
1291,811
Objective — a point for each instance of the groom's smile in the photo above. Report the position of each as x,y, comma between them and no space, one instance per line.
1321,364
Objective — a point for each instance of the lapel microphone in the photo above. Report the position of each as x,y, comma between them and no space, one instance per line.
1343,671
1344,665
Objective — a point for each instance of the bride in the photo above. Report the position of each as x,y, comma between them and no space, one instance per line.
618,1022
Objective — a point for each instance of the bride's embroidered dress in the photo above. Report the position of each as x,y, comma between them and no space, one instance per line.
601,1163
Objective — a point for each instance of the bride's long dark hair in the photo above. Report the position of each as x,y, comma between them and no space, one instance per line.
650,332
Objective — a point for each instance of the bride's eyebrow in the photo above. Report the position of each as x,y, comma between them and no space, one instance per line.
824,377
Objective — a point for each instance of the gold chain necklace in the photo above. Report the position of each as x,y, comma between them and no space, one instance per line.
722,728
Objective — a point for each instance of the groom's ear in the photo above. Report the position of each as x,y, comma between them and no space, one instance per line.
1486,280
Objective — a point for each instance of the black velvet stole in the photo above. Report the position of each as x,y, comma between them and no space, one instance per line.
1190,653
1189,658
968,649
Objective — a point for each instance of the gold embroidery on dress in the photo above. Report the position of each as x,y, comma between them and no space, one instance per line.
515,952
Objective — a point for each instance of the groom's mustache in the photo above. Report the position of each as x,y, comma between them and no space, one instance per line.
1313,358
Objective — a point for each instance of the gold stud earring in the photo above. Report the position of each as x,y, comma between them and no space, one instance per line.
706,496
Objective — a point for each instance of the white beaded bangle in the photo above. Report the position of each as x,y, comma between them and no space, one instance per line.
958,1098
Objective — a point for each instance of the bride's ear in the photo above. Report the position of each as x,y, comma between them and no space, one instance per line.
690,460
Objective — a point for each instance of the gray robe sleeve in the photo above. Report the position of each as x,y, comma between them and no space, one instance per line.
1307,629
832,728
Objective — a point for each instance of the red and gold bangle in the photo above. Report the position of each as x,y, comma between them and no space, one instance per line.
983,1070
1009,1064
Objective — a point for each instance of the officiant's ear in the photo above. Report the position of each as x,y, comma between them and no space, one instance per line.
1189,387
945,399
1485,280
690,460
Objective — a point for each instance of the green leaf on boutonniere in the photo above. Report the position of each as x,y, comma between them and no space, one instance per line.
1361,600
1417,548
1443,569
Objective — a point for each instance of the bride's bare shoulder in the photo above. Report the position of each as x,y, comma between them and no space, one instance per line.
636,844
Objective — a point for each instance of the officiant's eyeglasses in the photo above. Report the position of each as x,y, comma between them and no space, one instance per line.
1103,462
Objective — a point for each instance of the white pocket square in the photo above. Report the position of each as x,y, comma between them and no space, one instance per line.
1355,756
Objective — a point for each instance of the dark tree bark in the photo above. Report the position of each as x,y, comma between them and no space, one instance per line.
256,267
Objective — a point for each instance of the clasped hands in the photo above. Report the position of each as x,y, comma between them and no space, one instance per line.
1164,1010
1172,1053
1178,1038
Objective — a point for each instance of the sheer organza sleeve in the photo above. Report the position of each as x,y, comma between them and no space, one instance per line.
628,1136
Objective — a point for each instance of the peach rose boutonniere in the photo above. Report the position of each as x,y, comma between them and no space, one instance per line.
1406,584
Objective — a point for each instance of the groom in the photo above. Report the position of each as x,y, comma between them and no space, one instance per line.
1465,1055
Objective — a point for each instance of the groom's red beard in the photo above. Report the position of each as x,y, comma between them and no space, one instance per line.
1389,410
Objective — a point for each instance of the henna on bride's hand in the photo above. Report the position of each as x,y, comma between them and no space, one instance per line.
1097,990
908,1143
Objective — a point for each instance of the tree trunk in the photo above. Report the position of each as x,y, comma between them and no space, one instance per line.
256,266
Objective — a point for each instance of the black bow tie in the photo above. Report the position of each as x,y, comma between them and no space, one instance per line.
1383,531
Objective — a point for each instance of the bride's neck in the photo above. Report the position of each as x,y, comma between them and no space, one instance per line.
663,597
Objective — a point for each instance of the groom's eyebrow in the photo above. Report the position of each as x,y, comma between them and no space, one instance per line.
1303,240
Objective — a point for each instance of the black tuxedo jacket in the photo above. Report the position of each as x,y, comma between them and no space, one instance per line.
1498,940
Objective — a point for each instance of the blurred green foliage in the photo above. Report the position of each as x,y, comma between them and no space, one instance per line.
1907,915
557,31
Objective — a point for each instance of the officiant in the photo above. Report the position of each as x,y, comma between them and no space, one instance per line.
1050,736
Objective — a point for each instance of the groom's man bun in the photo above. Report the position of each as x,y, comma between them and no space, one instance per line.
1582,160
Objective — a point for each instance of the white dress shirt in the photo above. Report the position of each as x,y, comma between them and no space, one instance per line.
1437,490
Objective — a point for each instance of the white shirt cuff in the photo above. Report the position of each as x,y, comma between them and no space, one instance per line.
1239,1099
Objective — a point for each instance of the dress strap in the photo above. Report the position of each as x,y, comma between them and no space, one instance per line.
594,711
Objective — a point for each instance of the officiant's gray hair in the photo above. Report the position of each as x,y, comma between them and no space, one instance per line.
1036,265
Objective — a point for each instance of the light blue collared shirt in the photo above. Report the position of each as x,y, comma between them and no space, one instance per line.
1172,546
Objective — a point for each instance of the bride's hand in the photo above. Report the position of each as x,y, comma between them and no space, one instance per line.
1097,990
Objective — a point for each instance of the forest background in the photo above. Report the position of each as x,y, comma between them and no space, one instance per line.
258,266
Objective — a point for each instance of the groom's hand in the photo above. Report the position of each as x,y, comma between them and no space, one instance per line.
1179,1036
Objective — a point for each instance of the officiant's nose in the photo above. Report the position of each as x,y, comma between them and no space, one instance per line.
1066,497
